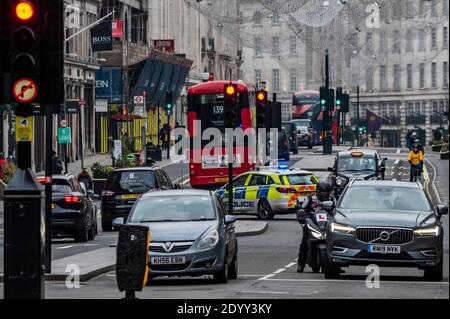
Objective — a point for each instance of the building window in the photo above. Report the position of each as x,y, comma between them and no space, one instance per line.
433,75
410,9
396,76
422,39
258,51
433,38
422,75
445,37
292,45
275,18
395,10
369,45
396,47
383,80
275,80
433,8
369,79
382,41
275,45
293,80
445,74
421,7
258,76
409,41
257,17
409,76
445,8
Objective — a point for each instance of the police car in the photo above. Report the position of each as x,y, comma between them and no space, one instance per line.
267,191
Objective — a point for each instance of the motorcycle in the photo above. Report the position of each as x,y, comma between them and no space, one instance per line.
316,225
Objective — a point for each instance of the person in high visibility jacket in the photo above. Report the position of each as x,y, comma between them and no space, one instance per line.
415,158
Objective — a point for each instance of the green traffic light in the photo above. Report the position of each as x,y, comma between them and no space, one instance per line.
322,101
338,102
169,106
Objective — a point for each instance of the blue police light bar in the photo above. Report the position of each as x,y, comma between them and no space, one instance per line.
282,166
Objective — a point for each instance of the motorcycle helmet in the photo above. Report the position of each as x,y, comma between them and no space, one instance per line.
323,190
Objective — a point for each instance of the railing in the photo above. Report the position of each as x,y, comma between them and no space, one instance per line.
414,119
390,120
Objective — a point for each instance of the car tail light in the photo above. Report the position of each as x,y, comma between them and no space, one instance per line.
286,190
108,193
72,199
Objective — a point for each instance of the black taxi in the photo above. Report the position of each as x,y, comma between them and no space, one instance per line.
356,164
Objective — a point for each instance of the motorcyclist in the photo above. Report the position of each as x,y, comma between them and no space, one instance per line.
312,202
411,140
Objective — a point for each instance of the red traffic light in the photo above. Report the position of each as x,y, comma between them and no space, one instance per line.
24,10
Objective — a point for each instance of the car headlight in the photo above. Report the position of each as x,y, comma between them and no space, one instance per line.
316,234
429,231
209,240
340,181
338,228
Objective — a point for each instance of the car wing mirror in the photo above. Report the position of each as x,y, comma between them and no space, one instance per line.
229,219
442,209
328,205
330,169
96,196
118,222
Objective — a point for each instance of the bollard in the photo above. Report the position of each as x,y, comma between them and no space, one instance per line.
24,233
132,259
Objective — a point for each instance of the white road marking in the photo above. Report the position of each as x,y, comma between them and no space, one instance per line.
186,181
398,151
356,281
81,245
266,277
65,247
180,178
290,265
396,162
251,275
264,292
279,270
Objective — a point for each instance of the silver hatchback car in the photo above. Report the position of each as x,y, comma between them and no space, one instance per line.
190,234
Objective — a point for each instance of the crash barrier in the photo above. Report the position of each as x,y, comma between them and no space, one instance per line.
152,153
132,258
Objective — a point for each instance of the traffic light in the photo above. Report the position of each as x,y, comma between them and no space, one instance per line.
262,109
168,105
339,98
345,103
230,105
362,127
323,97
24,54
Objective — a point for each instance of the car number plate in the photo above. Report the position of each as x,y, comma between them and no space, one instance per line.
384,249
174,260
129,196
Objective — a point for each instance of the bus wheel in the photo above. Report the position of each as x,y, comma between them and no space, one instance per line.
264,210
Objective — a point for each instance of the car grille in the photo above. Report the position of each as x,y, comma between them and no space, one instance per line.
372,235
177,247
169,267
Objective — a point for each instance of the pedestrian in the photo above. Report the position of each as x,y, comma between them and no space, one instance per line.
85,178
415,159
57,166
162,137
3,163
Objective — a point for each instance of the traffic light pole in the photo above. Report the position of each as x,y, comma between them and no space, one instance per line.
48,187
168,136
357,116
327,141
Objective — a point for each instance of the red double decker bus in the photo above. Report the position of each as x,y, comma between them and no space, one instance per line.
205,104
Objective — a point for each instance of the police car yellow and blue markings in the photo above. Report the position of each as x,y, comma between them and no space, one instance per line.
249,196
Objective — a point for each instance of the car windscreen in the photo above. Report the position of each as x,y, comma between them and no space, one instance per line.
173,208
61,186
301,179
131,181
352,163
385,198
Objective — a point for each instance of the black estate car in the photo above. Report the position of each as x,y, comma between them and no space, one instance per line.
124,185
74,213
387,223
363,164
291,130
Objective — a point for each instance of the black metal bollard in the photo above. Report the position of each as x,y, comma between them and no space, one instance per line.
24,235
